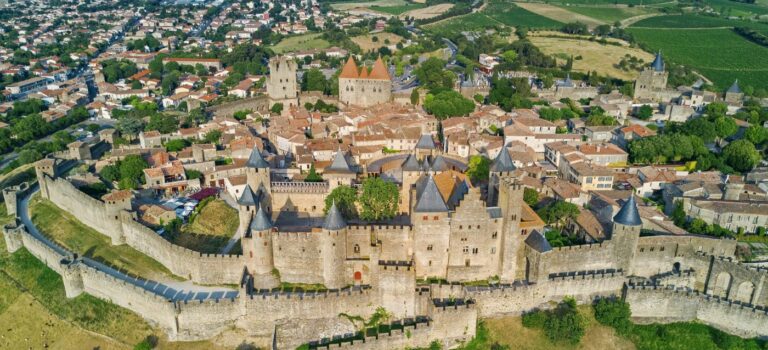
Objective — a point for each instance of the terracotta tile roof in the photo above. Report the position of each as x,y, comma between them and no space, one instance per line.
350,69
379,70
117,195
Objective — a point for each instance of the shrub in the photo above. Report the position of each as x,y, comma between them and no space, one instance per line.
564,324
534,319
614,313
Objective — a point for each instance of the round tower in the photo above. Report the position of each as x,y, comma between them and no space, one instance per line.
333,243
627,225
247,205
257,175
260,253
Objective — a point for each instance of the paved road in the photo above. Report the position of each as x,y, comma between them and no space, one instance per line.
171,289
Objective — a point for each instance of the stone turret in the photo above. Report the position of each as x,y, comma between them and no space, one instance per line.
652,80
333,243
72,276
11,196
432,229
734,95
339,172
425,147
502,166
247,203
627,225
45,168
411,172
12,234
258,175
258,249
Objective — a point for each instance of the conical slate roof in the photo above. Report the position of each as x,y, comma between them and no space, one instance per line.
628,214
658,63
334,221
734,89
503,162
439,164
261,221
536,241
248,197
411,163
339,163
425,142
430,200
256,160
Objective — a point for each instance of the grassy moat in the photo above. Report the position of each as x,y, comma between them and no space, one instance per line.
209,230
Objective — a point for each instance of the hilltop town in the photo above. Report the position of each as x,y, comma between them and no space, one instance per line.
312,174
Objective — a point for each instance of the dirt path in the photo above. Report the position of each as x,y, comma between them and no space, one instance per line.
632,20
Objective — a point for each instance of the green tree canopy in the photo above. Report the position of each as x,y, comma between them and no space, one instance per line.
478,168
558,211
378,200
448,104
530,196
313,176
345,198
741,155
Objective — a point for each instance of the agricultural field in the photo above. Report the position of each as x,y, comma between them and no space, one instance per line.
211,229
427,12
559,14
344,6
396,10
366,41
734,8
609,2
513,15
695,21
301,43
719,54
67,231
608,15
594,56
469,22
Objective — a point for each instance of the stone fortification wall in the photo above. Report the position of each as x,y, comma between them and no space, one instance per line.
264,310
85,208
195,266
257,104
204,319
122,228
587,257
651,304
297,257
411,336
302,200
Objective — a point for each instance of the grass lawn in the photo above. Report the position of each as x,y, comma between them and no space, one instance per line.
595,57
301,43
608,15
396,10
738,8
210,230
4,217
719,54
509,331
64,229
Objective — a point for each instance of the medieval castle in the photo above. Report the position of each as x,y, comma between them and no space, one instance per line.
448,231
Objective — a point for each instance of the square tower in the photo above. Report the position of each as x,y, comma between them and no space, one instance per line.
281,85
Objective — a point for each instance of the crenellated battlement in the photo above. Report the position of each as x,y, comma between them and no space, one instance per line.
294,236
299,187
590,274
582,247
301,295
672,291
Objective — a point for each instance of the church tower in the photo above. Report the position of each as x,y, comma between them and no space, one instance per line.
652,80
281,85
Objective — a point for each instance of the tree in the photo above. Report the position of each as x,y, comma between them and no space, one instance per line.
345,197
509,55
163,123
741,155
447,104
212,136
314,80
415,97
277,108
433,76
313,176
176,145
645,112
725,126
132,169
378,200
530,196
478,168
614,313
130,126
29,156
110,173
756,134
565,324
557,212
136,85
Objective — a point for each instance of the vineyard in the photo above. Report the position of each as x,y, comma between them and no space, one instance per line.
719,54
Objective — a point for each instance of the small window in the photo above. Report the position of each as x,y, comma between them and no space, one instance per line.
425,217
466,249
430,263
435,218
642,250
661,249
429,247
494,235
356,249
